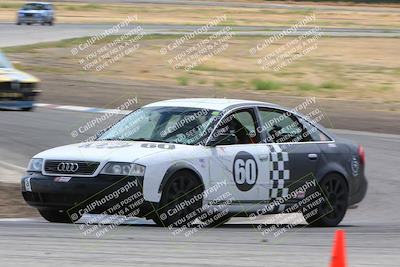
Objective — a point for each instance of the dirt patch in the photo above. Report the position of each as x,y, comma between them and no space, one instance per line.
338,68
354,79
188,15
12,204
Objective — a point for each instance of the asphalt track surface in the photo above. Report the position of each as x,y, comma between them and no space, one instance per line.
13,35
373,232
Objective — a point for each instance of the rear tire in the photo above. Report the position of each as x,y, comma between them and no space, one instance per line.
330,213
182,186
56,216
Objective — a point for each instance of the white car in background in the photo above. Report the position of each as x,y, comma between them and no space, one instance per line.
36,12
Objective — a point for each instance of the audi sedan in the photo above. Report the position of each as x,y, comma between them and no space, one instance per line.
36,12
185,160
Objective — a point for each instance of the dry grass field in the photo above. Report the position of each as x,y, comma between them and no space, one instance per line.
188,15
341,68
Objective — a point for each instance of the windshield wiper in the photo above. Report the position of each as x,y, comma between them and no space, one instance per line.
137,139
151,140
145,139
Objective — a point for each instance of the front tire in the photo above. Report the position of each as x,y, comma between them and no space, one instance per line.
182,187
56,216
330,213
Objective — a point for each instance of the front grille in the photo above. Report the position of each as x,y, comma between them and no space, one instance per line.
17,86
27,86
5,86
84,167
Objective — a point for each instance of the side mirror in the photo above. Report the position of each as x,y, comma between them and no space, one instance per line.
224,139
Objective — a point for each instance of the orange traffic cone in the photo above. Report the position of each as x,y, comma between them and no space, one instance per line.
339,250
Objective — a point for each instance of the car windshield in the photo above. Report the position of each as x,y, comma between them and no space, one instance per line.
181,125
4,63
33,6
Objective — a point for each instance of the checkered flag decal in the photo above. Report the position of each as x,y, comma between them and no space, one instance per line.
279,173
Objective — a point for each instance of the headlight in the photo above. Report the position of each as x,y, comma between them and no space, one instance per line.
35,165
123,168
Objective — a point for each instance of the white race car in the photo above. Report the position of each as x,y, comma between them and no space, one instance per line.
179,160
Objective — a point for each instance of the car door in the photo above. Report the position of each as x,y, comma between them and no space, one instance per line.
242,164
294,156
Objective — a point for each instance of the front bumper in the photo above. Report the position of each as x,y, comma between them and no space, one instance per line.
16,104
21,97
101,194
31,19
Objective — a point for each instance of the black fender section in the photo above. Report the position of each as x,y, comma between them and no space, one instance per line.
359,195
331,168
178,167
355,194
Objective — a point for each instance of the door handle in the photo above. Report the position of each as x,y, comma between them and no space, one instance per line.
312,156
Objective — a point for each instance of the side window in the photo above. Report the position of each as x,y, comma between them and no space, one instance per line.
282,127
314,132
242,125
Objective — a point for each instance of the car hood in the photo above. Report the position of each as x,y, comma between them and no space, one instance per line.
10,75
104,151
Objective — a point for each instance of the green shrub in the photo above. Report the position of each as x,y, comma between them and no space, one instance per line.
266,84
330,85
182,80
307,87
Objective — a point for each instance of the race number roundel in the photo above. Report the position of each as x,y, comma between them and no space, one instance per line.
245,171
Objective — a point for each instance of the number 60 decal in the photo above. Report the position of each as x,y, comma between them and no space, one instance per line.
245,171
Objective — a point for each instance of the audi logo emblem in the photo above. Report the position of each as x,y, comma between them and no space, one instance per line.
15,85
67,167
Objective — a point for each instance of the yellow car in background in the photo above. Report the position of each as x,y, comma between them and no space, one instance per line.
18,90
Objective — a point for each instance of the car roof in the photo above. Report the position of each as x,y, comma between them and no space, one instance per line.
208,103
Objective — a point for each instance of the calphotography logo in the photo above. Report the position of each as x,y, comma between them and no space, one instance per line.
192,51
101,52
103,121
